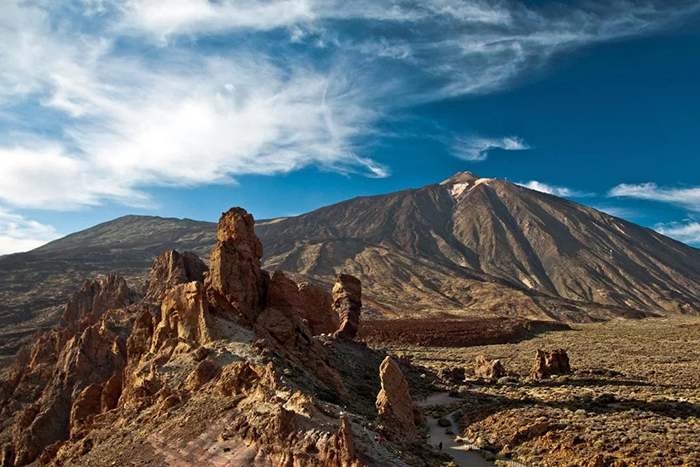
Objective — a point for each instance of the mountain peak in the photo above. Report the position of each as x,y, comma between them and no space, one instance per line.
460,177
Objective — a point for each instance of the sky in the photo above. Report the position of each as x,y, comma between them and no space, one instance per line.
184,108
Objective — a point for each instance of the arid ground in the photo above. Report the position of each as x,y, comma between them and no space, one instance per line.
632,398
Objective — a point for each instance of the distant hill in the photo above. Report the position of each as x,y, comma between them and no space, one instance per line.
468,245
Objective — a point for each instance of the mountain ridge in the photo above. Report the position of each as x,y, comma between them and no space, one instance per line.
466,245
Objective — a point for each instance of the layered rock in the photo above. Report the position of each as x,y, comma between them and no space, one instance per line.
550,363
235,278
394,403
489,369
172,268
347,303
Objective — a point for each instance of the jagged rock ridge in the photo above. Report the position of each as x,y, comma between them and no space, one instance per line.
219,365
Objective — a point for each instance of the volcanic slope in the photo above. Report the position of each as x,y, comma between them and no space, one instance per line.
487,245
468,245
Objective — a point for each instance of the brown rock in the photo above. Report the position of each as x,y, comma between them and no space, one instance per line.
204,372
394,403
7,459
87,404
111,392
550,363
309,302
96,297
317,309
345,445
241,377
454,375
185,319
489,369
347,303
172,268
235,279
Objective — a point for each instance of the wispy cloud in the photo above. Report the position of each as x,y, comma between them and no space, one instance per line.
618,211
688,198
19,234
475,148
131,95
555,190
687,232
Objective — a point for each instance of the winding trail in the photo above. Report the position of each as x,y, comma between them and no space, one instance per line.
460,452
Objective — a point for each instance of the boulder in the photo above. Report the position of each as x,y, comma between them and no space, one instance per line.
489,369
550,363
347,303
394,403
172,268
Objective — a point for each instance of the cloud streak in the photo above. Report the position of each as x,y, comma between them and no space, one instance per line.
688,232
19,234
688,198
554,190
478,148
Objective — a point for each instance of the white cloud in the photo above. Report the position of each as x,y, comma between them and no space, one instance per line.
554,190
688,232
19,234
475,148
618,211
688,198
134,116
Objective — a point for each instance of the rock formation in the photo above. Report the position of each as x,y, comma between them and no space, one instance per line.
488,369
235,278
185,319
96,297
550,363
311,303
347,303
172,268
394,403
232,364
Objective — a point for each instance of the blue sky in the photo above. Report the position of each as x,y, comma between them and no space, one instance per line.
184,108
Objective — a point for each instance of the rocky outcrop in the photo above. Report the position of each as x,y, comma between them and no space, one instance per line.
112,390
235,357
394,403
235,279
311,303
172,268
550,363
96,297
488,369
347,303
87,404
185,319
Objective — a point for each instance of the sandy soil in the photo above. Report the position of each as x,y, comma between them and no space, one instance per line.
633,398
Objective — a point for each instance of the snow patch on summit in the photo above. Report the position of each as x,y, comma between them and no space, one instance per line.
458,188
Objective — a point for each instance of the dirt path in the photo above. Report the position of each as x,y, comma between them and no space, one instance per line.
459,452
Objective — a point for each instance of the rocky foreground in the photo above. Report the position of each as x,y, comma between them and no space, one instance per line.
225,365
